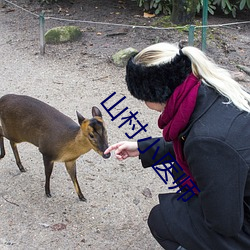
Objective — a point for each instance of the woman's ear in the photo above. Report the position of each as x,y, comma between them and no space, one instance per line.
156,106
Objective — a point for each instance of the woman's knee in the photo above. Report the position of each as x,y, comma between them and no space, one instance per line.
154,217
156,223
160,230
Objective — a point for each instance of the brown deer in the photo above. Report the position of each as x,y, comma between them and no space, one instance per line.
59,138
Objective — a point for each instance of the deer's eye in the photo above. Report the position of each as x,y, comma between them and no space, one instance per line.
91,136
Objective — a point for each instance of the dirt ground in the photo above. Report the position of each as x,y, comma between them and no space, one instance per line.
77,76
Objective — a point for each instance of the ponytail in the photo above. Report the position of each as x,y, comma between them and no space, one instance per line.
218,78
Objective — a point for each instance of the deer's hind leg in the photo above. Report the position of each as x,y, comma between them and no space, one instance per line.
1,144
18,161
71,168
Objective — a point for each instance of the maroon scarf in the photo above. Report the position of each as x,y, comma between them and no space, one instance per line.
176,115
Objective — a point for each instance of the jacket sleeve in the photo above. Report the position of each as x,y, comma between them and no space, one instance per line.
150,154
220,174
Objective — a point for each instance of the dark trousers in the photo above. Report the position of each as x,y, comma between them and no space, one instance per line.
158,227
160,231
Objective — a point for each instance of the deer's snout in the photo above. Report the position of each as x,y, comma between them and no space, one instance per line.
106,156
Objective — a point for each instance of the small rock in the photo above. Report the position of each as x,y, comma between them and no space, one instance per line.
121,58
2,3
147,193
44,225
62,34
136,201
239,76
9,243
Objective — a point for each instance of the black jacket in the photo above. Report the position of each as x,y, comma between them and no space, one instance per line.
216,145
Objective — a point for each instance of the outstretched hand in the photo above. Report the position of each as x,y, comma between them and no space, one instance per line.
124,150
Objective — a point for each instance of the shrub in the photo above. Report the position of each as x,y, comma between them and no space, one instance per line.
165,6
157,6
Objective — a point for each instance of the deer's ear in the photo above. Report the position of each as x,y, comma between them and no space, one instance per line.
80,118
96,112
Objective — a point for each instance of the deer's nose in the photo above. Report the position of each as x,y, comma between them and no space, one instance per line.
106,156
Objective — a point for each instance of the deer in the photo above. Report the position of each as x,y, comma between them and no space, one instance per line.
58,138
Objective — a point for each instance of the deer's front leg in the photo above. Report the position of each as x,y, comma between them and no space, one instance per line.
71,168
48,165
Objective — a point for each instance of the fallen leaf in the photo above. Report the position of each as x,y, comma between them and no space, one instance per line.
147,15
58,227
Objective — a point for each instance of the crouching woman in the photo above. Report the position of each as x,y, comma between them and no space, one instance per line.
205,122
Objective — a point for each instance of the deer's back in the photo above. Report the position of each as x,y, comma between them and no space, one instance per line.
24,118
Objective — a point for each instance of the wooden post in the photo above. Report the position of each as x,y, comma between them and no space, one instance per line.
42,31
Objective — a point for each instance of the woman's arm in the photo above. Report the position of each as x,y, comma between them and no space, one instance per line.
123,150
149,157
145,149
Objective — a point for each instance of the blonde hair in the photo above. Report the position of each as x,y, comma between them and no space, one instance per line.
202,67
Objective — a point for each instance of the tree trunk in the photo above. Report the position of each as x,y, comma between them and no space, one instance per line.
183,11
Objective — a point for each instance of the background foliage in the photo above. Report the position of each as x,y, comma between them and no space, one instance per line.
165,6
227,6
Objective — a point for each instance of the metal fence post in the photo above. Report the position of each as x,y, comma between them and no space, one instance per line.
191,35
204,24
42,31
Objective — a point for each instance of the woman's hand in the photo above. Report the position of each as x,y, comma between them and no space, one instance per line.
124,150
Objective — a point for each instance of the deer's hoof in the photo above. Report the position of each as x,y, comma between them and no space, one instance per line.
82,198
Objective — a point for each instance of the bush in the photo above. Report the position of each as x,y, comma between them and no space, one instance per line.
156,6
165,6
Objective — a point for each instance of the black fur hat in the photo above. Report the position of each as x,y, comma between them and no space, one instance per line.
156,83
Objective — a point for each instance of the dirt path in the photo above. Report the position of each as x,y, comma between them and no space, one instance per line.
115,215
76,77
